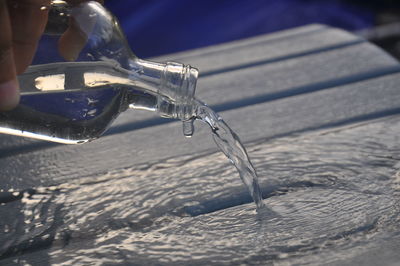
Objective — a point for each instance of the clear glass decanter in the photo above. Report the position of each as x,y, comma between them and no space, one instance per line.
73,99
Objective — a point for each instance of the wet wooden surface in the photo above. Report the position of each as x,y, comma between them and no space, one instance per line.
265,87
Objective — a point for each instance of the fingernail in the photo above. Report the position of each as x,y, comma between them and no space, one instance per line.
9,95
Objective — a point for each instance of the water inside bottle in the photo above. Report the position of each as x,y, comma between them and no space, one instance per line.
73,116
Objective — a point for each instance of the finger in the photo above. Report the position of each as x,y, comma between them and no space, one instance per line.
75,37
28,21
72,41
9,95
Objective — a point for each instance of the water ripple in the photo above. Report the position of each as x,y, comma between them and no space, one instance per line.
331,196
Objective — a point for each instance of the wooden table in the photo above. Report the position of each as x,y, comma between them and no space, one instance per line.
265,87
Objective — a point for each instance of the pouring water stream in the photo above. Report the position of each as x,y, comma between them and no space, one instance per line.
229,143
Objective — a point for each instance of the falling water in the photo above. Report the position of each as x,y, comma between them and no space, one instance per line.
231,146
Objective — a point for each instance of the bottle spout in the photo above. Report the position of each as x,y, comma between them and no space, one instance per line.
181,80
178,82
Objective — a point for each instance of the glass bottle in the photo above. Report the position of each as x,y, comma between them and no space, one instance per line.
73,98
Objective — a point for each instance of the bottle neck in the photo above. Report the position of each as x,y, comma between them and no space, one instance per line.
173,83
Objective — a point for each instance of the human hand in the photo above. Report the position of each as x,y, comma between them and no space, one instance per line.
22,23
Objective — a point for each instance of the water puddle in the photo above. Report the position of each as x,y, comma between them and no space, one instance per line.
332,197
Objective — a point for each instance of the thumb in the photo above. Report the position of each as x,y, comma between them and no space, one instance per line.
9,93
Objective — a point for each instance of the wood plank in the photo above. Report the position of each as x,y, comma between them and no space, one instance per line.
228,88
332,106
288,93
266,47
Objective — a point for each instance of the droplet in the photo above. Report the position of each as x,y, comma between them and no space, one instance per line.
188,128
92,112
6,228
91,101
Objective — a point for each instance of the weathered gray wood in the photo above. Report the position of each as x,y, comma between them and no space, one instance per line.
265,87
265,100
289,43
264,67
344,104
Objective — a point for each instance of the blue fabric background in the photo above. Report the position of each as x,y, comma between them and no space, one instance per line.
158,27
